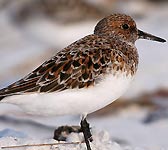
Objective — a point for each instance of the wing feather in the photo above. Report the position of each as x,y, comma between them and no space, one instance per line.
78,65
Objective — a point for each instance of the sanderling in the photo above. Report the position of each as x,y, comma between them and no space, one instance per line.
85,76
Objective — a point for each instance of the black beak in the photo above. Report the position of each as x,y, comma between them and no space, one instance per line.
144,35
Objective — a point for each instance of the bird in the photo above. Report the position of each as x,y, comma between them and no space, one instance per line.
85,76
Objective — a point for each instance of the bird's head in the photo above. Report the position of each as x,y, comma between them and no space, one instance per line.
123,27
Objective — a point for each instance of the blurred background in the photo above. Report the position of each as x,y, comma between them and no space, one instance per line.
31,31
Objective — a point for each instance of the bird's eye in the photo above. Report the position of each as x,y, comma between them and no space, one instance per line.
125,26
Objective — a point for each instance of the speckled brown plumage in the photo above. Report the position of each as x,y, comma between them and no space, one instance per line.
84,63
79,65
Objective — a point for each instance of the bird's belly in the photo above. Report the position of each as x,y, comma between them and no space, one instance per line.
74,101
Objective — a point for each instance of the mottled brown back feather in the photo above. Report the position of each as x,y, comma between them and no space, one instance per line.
80,65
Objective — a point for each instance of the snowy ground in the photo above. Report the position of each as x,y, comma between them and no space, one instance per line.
126,128
74,141
32,42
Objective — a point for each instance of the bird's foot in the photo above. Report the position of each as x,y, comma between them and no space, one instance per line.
61,133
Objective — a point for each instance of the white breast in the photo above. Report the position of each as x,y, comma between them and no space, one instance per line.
77,101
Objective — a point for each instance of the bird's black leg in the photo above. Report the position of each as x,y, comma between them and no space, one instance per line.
86,132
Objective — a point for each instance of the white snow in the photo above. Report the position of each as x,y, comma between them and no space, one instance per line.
101,141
